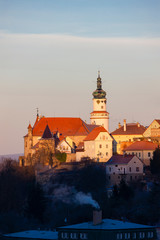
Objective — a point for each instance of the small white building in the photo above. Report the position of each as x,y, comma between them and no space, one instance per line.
97,146
143,150
127,167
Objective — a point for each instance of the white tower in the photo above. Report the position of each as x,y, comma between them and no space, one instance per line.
99,116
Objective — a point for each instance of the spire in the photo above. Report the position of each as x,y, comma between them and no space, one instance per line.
99,93
99,82
29,126
47,133
37,112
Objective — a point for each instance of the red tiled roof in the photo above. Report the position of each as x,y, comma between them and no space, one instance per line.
131,129
141,145
37,119
65,126
47,133
94,133
120,159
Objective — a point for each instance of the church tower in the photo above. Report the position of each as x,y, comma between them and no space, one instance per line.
99,116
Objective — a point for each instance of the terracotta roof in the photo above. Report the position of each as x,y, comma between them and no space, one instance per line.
131,129
94,133
141,145
120,159
47,133
65,126
37,119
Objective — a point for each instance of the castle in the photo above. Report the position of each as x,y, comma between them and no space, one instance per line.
79,140
72,135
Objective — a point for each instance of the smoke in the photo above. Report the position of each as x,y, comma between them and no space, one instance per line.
83,198
70,195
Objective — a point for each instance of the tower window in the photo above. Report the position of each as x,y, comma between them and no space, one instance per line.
101,107
100,145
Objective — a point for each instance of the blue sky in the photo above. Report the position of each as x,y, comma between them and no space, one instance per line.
82,17
51,51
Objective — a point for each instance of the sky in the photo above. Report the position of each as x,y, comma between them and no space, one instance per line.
50,54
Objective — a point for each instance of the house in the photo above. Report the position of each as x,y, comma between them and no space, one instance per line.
106,229
153,131
97,145
127,167
125,135
143,150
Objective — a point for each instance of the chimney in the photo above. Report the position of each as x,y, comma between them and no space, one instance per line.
97,217
119,125
124,125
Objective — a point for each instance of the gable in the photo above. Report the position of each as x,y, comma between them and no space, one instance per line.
154,125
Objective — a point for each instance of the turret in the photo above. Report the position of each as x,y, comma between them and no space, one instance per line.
99,116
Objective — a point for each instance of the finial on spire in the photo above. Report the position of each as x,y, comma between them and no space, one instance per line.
98,74
37,112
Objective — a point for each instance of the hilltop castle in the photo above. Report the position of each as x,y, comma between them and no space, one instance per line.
71,134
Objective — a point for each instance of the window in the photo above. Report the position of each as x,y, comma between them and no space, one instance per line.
100,145
137,169
26,144
142,235
64,235
139,154
150,234
127,235
134,235
101,107
83,236
130,169
106,145
119,235
110,169
106,153
116,165
74,235
149,154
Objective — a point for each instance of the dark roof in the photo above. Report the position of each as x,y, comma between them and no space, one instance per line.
120,159
131,129
47,133
158,120
107,224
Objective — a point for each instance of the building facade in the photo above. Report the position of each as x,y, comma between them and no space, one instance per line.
127,167
97,146
143,150
126,135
